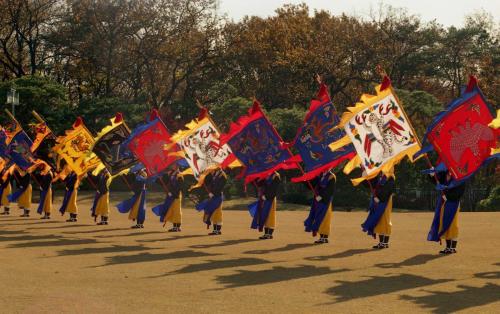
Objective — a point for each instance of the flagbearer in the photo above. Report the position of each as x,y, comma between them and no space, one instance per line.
136,205
44,176
380,209
170,210
100,207
23,195
214,183
71,182
5,187
264,217
445,222
320,215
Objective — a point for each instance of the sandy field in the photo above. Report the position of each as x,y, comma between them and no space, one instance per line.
58,267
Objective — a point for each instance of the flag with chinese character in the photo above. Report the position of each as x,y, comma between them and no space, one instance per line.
148,142
317,132
200,142
380,131
75,148
19,150
257,145
461,134
111,148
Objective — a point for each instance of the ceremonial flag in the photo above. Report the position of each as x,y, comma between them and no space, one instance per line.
495,124
257,145
110,146
19,150
42,131
380,131
316,133
460,134
148,143
200,142
74,147
3,143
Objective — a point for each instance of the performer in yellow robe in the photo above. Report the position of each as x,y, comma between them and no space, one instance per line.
136,205
171,209
100,207
380,209
214,183
445,222
5,186
71,183
320,216
24,192
44,175
263,210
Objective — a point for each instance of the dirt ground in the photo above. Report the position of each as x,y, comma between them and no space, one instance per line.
58,267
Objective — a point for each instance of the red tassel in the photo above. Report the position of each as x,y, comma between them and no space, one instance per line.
203,113
472,84
118,117
386,83
154,114
255,107
323,95
78,122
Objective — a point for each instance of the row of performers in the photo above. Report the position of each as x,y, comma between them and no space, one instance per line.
444,225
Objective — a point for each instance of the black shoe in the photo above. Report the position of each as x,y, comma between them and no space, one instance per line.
137,226
380,246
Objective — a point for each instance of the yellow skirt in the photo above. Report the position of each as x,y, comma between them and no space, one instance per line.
102,206
47,203
72,208
135,209
216,218
326,224
174,214
5,193
384,225
452,232
24,200
271,219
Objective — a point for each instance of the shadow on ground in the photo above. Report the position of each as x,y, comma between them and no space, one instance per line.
217,264
276,274
412,261
347,253
107,249
374,286
57,242
223,243
286,248
148,257
449,302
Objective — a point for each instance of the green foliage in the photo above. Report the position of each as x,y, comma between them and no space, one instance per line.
43,95
492,202
229,111
286,121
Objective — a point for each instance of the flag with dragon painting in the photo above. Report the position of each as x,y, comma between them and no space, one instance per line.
200,142
19,150
75,148
380,131
257,145
148,142
110,146
317,132
461,134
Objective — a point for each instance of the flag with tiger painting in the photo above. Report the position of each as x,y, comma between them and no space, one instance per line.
461,134
148,142
200,142
380,131
257,145
316,133
75,148
110,146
